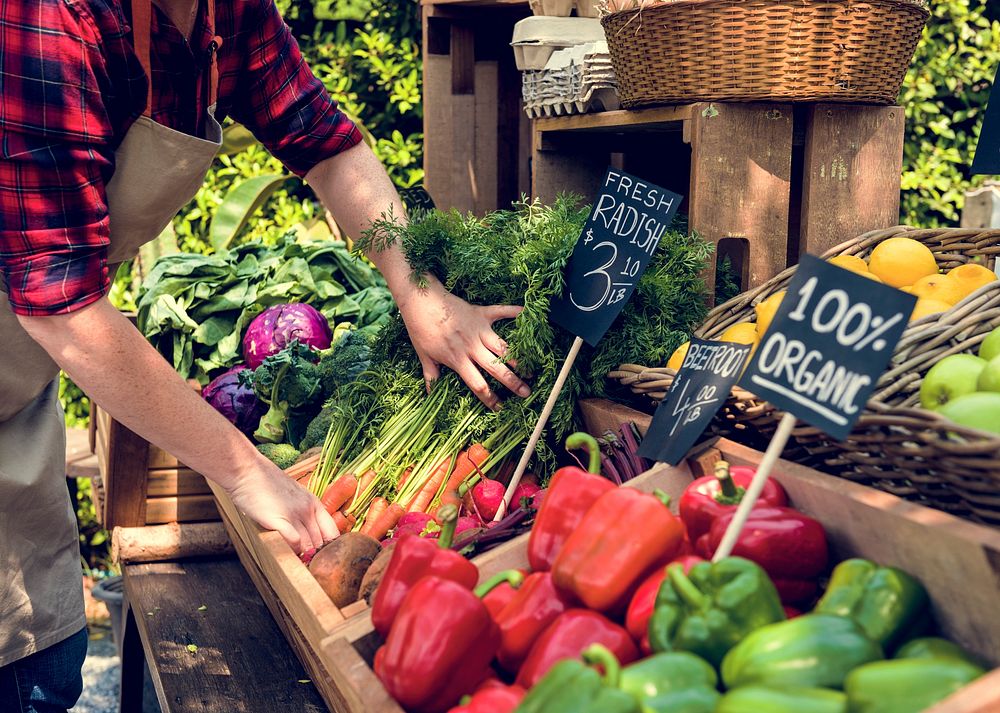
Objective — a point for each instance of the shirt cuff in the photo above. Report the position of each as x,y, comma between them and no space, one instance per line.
329,138
58,283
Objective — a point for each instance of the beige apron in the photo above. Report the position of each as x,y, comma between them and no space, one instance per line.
157,171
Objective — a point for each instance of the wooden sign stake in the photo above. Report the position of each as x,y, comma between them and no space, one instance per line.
543,418
771,455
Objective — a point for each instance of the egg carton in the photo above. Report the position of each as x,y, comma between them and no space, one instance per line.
594,100
536,39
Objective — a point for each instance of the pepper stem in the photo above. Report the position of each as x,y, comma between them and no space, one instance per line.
662,496
682,584
513,577
602,656
589,444
448,515
729,493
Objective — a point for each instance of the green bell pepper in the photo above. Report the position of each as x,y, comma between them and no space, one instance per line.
886,602
761,699
574,686
935,648
714,606
812,651
677,682
906,685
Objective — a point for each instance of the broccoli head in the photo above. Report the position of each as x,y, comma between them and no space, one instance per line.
344,362
317,429
287,382
282,455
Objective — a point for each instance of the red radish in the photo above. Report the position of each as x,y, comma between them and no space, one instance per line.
307,556
412,523
467,523
524,490
487,495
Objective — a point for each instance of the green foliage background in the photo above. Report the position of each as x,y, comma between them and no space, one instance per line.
944,96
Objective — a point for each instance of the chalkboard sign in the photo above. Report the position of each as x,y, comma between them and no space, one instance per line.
701,386
987,160
827,345
626,224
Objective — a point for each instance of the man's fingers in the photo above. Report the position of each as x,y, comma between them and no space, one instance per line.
432,372
501,373
327,527
468,372
312,527
291,535
492,341
495,312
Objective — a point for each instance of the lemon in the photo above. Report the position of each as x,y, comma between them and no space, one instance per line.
901,261
677,358
908,289
870,276
938,287
765,311
971,277
927,306
850,262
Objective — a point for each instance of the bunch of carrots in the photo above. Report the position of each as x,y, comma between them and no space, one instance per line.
367,482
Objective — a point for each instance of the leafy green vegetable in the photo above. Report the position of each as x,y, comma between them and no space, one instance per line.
287,382
345,361
282,455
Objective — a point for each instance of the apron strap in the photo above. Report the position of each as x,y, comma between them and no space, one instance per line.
142,22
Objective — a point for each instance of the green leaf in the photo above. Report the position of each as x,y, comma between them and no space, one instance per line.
240,204
236,138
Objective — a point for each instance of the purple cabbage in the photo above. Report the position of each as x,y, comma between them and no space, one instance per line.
276,327
236,402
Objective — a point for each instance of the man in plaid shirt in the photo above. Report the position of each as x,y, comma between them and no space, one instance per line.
78,106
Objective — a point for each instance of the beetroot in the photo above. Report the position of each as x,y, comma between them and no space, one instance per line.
412,523
467,522
524,490
487,495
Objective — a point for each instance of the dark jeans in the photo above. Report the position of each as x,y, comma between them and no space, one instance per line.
49,681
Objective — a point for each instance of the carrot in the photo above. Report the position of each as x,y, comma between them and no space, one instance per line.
469,461
403,478
377,507
337,493
386,521
363,482
345,521
423,498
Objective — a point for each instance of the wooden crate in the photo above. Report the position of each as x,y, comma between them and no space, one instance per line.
141,484
315,627
958,561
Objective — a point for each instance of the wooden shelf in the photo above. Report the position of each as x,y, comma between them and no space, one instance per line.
474,3
617,121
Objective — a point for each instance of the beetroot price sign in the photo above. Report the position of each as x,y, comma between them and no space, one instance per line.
827,345
626,224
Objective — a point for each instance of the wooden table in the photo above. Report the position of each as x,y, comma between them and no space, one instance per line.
209,641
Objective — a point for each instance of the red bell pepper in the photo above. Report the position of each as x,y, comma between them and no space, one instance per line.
535,605
788,545
439,648
712,496
640,610
417,557
500,589
491,697
568,636
570,494
621,539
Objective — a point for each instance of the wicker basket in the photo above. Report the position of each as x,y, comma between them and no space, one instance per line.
751,50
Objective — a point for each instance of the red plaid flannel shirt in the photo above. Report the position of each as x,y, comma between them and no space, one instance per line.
71,86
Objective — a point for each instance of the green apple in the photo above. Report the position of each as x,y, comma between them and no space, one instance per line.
950,378
989,377
990,347
981,410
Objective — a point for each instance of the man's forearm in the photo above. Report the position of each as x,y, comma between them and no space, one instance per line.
112,362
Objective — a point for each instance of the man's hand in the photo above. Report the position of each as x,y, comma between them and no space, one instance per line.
446,330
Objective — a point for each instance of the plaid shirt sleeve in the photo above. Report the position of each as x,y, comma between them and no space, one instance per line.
281,101
55,138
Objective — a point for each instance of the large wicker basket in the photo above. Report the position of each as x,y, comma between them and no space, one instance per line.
753,50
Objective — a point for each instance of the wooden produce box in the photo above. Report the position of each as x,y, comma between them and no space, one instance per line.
958,562
141,484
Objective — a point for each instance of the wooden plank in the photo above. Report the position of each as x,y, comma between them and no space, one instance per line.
124,477
741,164
438,146
484,167
601,415
241,663
473,3
355,680
159,458
574,169
463,58
980,696
175,481
853,162
185,508
956,560
640,119
463,156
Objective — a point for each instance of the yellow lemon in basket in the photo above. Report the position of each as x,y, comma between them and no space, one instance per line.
938,287
677,358
908,289
870,276
927,306
765,311
850,262
741,333
901,261
971,277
